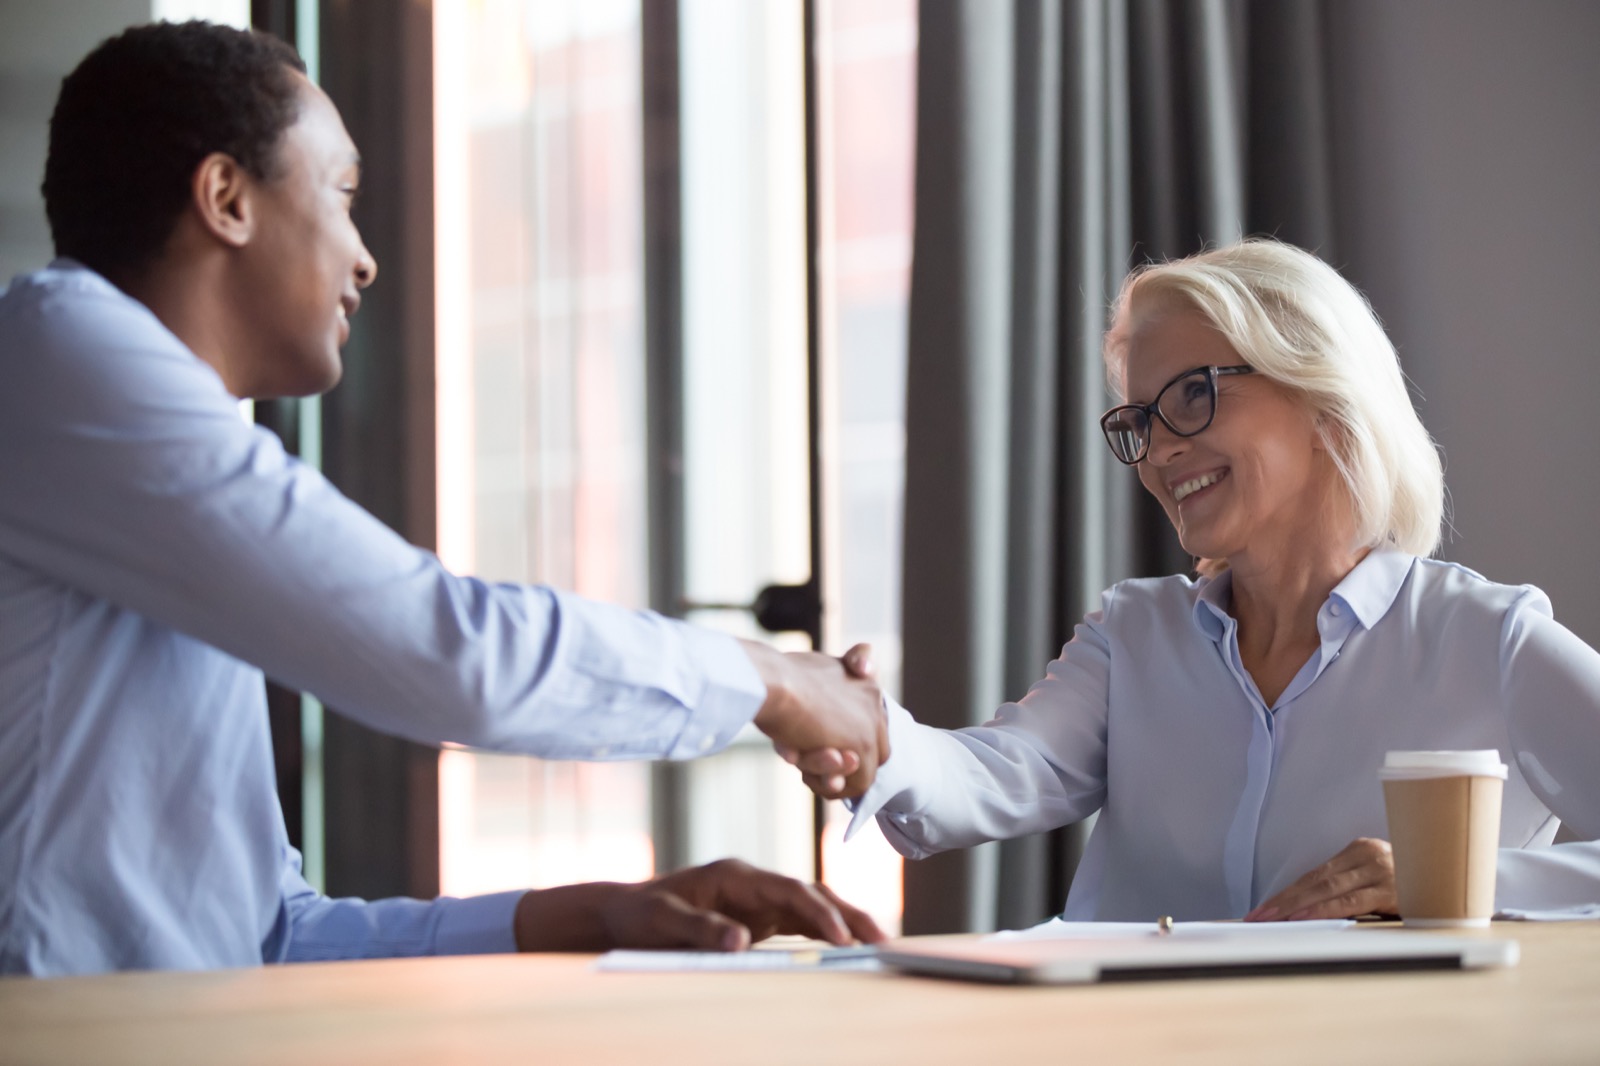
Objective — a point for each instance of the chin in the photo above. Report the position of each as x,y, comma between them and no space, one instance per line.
328,380
1206,547
303,381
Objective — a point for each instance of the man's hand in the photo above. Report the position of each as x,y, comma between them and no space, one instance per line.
724,906
1358,880
830,709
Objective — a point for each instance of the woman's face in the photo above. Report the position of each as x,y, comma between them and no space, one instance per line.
1255,480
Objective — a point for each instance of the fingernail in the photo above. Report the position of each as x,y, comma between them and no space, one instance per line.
1299,915
835,784
1264,914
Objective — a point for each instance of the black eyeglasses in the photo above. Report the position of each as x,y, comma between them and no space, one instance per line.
1186,405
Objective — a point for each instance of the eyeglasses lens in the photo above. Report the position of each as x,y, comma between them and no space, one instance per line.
1188,403
1127,432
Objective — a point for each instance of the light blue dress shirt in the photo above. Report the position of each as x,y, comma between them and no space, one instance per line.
157,555
1211,802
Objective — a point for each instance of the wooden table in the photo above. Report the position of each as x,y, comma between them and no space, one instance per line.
556,1009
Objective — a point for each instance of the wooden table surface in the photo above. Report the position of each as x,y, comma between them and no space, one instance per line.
557,1009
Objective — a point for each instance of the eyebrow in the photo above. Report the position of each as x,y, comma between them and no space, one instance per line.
1165,385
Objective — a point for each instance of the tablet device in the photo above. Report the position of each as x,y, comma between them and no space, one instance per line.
1148,957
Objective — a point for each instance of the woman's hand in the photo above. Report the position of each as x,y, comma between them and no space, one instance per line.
722,906
1358,880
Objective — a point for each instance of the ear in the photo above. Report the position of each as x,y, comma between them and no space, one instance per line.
1331,433
222,194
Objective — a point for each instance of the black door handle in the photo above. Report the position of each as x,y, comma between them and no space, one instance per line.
777,608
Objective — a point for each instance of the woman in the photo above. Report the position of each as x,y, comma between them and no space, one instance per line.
1229,729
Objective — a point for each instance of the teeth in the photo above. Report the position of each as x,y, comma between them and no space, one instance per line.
1194,485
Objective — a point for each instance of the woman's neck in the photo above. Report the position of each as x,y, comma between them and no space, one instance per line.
1276,600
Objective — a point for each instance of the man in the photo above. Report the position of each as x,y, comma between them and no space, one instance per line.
157,555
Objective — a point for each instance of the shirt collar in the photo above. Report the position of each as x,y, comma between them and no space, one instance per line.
1369,590
1211,615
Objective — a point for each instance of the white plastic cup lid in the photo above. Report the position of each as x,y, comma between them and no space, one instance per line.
1402,765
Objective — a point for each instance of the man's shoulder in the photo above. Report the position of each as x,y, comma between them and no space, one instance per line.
61,286
67,306
67,331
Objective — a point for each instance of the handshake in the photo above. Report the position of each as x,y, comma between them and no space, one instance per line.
825,716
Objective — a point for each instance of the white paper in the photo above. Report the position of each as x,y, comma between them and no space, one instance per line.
850,958
1586,913
1056,929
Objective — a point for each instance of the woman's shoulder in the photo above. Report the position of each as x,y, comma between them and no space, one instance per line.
1441,587
1175,595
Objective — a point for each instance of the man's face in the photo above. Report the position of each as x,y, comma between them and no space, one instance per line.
305,263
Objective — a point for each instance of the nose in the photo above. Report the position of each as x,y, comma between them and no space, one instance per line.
1165,445
366,268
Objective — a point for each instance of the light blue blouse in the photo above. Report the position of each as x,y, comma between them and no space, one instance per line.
1209,801
157,555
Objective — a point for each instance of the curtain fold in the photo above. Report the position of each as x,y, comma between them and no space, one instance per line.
1057,145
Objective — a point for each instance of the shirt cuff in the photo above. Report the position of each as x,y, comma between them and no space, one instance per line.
891,790
732,695
477,925
1548,878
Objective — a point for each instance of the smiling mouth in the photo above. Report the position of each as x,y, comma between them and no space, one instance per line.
1185,489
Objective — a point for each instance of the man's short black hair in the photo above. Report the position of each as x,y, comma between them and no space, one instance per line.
137,116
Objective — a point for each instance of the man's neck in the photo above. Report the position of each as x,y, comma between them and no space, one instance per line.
184,293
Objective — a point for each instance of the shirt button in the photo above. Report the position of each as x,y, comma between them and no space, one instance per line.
1335,610
601,752
706,742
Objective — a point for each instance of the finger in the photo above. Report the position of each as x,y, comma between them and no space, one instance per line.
1317,889
826,786
1298,893
862,927
787,754
853,786
668,921
1368,900
858,661
825,761
1363,861
858,781
784,905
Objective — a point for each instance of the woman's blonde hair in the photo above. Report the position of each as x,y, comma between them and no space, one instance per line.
1295,320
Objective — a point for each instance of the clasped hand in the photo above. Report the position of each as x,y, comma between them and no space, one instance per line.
824,715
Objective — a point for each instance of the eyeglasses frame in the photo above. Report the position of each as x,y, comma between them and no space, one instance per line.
1152,410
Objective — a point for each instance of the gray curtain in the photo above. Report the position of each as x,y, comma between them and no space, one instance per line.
1058,144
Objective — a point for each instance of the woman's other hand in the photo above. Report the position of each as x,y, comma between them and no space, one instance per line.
1358,880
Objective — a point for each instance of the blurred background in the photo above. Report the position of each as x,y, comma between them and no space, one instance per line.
683,299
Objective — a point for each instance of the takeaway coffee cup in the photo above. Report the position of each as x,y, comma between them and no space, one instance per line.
1444,826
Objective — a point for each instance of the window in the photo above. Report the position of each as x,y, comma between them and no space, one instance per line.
540,380
540,389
